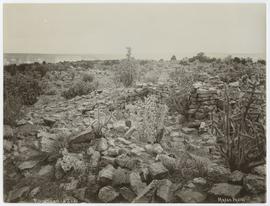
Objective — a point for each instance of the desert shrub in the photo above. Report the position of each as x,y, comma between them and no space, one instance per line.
153,116
88,77
240,126
173,58
12,109
126,73
80,88
178,100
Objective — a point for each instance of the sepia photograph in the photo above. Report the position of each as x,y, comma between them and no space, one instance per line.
135,102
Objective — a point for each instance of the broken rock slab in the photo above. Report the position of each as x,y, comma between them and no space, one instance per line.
102,145
136,182
105,176
107,194
121,177
188,196
148,193
236,177
164,190
157,170
254,184
127,194
225,190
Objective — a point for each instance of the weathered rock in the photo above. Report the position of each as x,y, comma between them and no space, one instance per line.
7,145
121,176
259,170
157,149
191,196
49,121
199,181
254,184
188,130
105,160
47,171
124,141
90,151
113,152
128,162
80,193
8,132
136,182
146,195
72,185
107,194
236,177
28,164
225,190
157,170
168,162
34,192
105,176
164,190
127,193
218,173
17,193
120,126
95,158
130,132
102,145
137,151
58,171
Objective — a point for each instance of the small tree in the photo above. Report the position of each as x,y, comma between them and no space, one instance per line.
173,58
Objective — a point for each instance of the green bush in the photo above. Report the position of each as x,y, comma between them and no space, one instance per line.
80,88
88,77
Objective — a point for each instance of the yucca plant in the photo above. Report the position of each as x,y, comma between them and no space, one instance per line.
240,127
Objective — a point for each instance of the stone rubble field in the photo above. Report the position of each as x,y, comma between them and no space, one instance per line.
90,148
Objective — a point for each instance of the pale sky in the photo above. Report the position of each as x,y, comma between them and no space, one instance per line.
147,28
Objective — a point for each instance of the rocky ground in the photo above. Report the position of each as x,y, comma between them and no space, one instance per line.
100,162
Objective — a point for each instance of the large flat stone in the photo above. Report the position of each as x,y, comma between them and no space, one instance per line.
157,170
225,190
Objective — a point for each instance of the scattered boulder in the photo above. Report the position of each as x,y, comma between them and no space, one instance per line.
107,194
188,130
49,121
225,190
148,193
8,132
164,190
95,158
254,184
167,161
188,196
121,177
105,176
259,170
28,164
47,170
18,193
157,170
236,177
127,193
120,126
136,182
34,192
102,145
113,152
218,173
199,181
